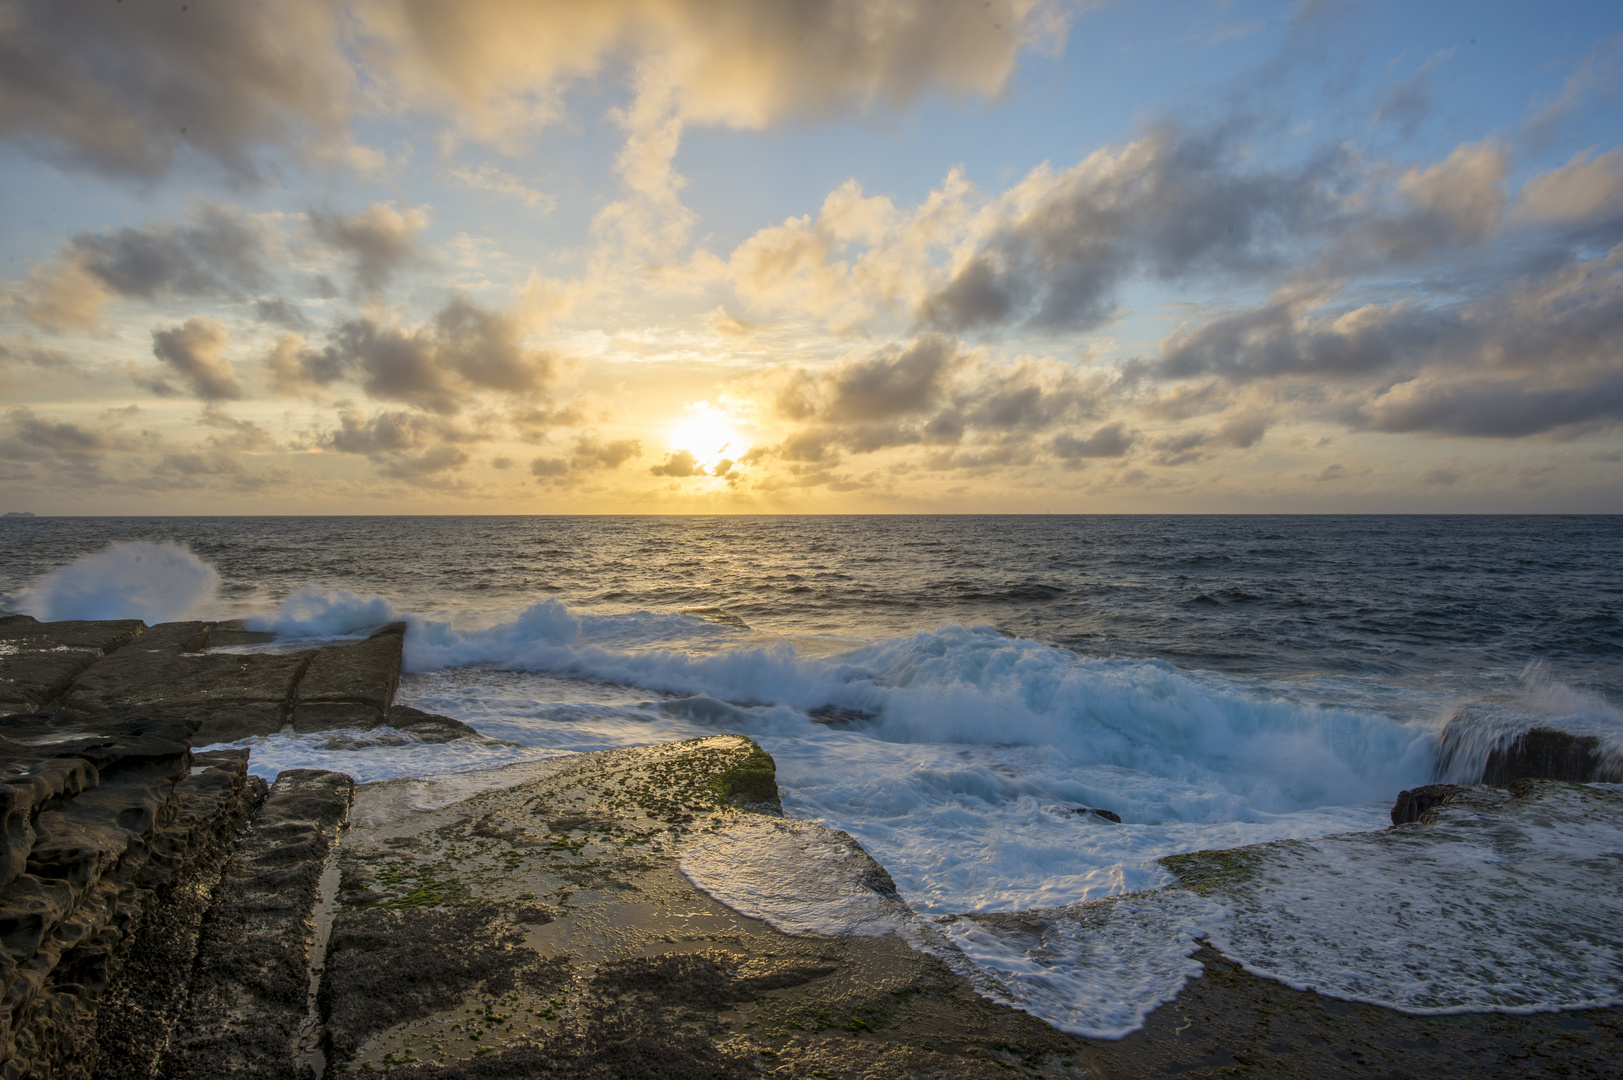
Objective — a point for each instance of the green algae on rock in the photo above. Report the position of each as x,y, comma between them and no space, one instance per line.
581,950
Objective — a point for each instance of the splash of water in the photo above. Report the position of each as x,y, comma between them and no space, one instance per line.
151,582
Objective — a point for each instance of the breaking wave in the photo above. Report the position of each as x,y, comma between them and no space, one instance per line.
151,582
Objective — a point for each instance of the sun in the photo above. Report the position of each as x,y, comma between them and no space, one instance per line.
709,434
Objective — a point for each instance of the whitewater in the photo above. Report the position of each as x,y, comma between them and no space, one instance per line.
955,695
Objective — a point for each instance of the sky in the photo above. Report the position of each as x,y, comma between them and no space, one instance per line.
810,256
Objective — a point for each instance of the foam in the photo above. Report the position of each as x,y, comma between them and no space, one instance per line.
135,580
797,875
1501,904
315,613
1096,969
376,754
1480,727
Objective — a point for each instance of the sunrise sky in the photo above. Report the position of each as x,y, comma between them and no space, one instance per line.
671,256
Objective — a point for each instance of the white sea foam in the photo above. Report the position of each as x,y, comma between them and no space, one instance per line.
376,754
1095,969
1500,904
797,875
151,582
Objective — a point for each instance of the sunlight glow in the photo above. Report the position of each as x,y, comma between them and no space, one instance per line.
709,434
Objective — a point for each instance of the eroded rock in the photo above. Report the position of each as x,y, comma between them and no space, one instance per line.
39,660
248,998
350,686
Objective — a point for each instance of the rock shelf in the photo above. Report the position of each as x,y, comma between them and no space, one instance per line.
164,914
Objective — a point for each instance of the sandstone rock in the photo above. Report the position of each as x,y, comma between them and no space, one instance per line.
26,787
235,632
1547,754
248,998
428,727
1416,801
38,660
141,1005
220,696
350,686
1495,741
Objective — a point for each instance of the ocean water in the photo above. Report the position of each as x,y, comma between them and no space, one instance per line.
948,690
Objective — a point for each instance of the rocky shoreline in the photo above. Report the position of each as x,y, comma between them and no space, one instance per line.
164,914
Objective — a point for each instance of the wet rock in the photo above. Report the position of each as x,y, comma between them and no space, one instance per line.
248,998
220,696
142,1003
350,686
107,743
1416,801
27,786
386,966
1547,754
99,843
1107,815
1495,741
235,633
39,660
428,727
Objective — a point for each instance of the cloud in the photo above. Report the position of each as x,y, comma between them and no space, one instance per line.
294,369
893,382
679,463
1109,441
1407,103
502,65
1595,78
1053,251
592,453
494,180
1566,324
975,410
1498,408
195,351
462,351
281,313
14,353
128,89
68,452
215,251
380,239
1586,191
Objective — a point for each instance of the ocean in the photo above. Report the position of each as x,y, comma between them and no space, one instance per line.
949,690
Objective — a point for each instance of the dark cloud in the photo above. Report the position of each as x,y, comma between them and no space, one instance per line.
291,367
215,251
1109,441
894,381
125,89
430,462
931,392
1503,409
18,353
388,432
281,313
195,351
1173,203
1406,104
380,240
63,452
463,350
591,453
1542,353
679,463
